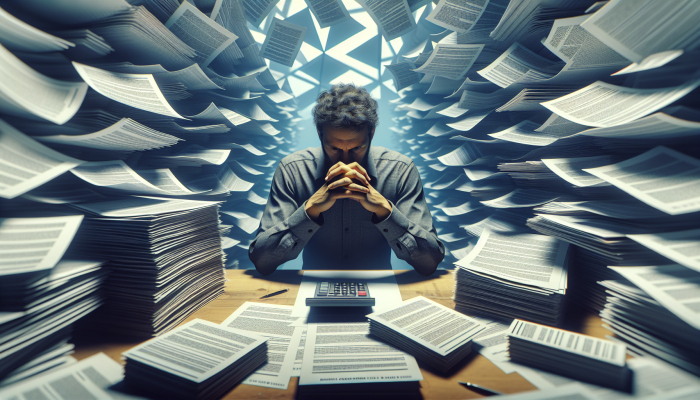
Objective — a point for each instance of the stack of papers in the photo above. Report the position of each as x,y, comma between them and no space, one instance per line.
41,297
165,261
513,276
96,377
433,333
654,311
585,358
342,360
207,361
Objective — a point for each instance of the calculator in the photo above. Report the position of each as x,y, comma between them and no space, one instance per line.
341,294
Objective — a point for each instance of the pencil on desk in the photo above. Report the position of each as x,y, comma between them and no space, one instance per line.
480,389
275,293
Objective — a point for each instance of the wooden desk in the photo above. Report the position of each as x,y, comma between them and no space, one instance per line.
248,285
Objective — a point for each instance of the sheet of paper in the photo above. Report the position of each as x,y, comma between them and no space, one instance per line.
514,64
650,62
522,198
257,10
192,341
528,259
602,104
451,61
296,370
676,287
428,323
141,206
583,345
381,285
458,16
328,12
136,90
572,169
680,246
282,42
126,134
231,15
580,49
403,74
662,178
655,126
26,93
118,176
35,244
651,377
18,35
76,380
199,32
393,17
274,323
648,30
26,164
492,343
338,353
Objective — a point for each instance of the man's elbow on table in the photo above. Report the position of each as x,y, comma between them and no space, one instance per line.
263,263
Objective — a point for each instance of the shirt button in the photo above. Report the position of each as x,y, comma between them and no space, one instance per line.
386,230
311,230
347,229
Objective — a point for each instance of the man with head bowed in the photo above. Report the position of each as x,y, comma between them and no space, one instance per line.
347,204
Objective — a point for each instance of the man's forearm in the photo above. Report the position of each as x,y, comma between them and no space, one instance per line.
283,241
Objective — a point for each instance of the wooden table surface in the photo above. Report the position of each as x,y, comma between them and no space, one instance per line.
249,285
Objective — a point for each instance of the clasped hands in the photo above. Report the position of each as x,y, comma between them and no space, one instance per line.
347,181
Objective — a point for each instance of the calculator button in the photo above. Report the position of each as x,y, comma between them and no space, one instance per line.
362,293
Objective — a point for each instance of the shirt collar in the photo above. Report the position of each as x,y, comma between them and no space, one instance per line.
368,163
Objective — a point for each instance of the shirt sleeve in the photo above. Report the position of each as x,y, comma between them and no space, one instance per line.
409,228
285,228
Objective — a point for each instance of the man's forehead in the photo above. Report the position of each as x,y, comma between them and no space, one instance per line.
344,134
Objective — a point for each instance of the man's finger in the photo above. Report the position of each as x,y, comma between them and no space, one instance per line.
356,175
340,182
349,194
335,170
357,188
359,167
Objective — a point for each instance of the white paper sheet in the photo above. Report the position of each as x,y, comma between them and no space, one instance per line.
345,353
35,244
663,178
26,164
273,322
681,247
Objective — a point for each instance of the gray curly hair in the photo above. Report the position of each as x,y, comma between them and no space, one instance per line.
345,105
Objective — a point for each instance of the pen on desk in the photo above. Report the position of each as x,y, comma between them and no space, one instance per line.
274,294
481,389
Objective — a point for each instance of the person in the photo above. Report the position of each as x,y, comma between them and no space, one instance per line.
346,203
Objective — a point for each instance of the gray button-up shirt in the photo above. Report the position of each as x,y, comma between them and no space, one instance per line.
346,238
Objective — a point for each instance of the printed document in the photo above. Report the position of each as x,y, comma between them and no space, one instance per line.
26,163
676,287
200,32
602,104
681,247
393,17
663,178
136,90
337,353
528,259
273,322
282,42
35,244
